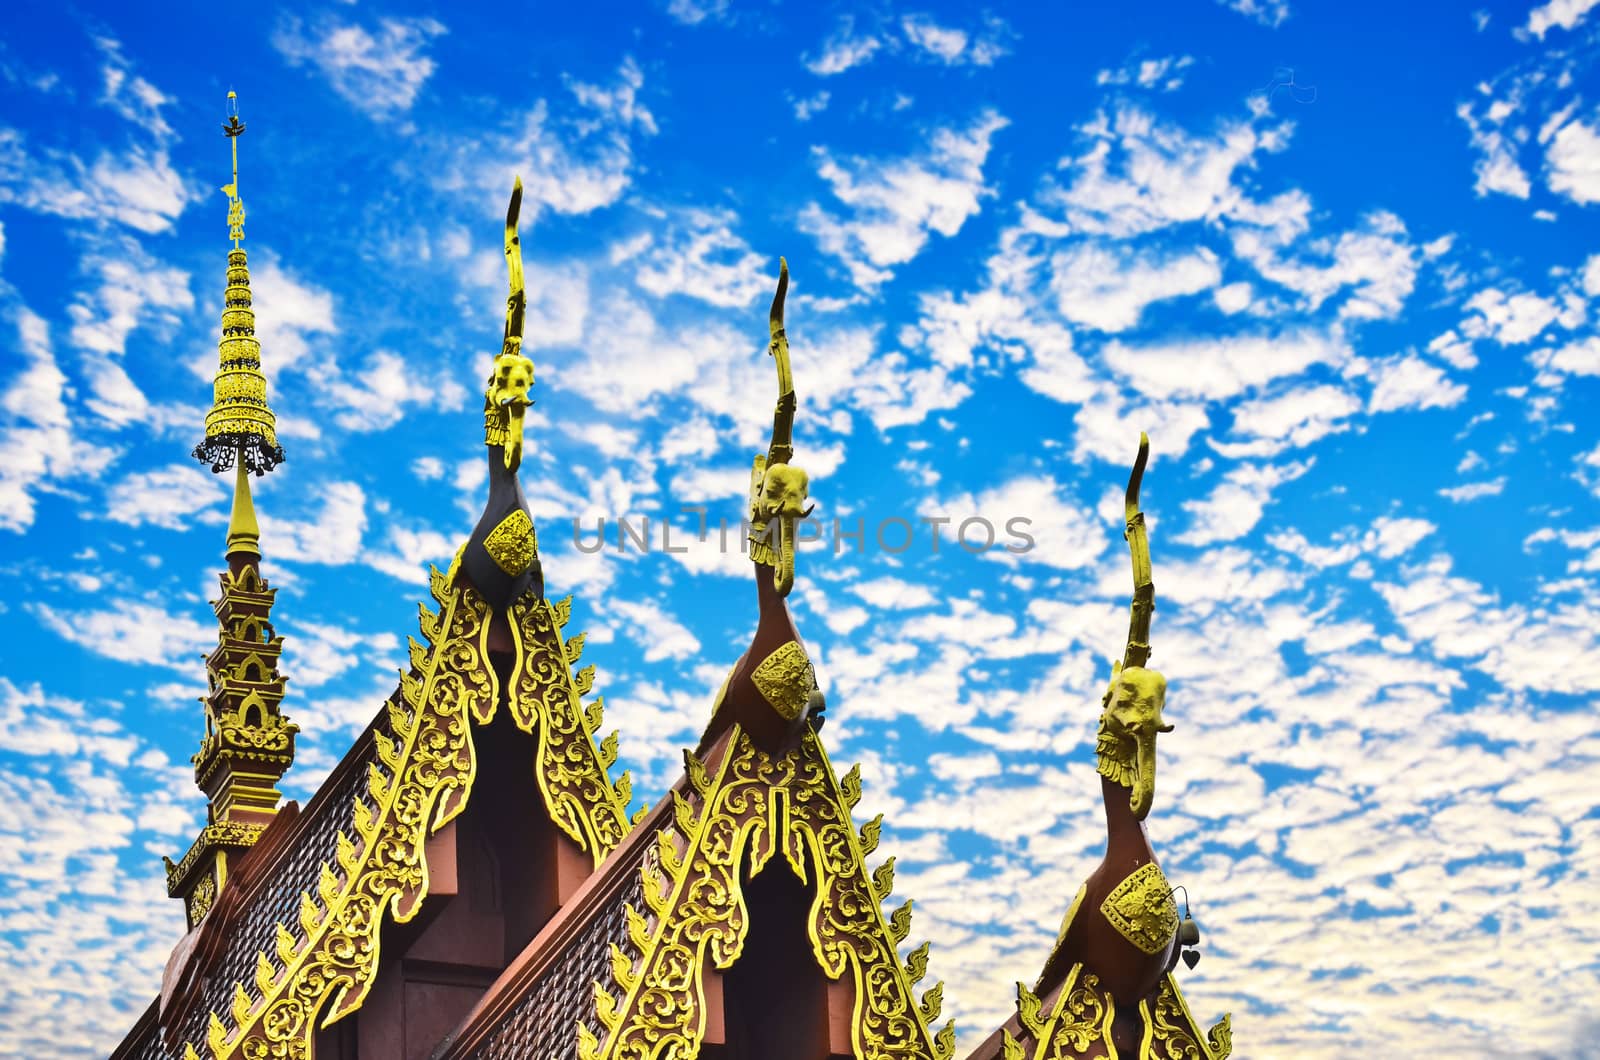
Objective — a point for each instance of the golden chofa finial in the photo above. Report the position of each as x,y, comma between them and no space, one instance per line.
778,489
506,399
240,426
1125,745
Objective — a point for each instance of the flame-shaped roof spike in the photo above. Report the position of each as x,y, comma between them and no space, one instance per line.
782,447
1144,590
517,301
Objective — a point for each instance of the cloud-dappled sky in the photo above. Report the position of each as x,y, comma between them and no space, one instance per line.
1335,259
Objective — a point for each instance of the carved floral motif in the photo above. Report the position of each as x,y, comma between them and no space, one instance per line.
756,806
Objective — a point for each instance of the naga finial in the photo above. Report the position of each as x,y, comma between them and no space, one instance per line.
778,489
506,399
1125,745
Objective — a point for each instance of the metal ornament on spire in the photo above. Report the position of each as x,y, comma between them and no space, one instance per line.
240,426
778,489
506,400
1144,589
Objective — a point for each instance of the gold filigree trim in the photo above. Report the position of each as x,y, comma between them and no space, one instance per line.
1081,1019
785,679
420,779
204,894
512,544
1171,1032
235,834
546,699
730,825
1142,910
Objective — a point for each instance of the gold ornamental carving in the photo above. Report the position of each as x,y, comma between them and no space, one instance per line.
426,773
512,544
1080,1019
731,824
1142,910
1172,1034
547,700
785,679
204,894
420,780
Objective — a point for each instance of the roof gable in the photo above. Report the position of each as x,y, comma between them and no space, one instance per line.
735,812
418,777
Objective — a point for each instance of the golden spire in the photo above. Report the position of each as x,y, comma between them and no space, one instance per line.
240,426
244,534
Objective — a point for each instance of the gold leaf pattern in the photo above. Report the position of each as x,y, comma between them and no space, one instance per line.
705,919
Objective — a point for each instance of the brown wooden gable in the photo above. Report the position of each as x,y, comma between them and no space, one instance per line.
695,941
326,914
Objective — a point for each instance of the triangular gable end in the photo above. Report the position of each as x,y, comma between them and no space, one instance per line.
735,812
422,779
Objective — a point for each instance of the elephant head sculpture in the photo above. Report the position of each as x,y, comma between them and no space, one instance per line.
783,497
1126,742
506,400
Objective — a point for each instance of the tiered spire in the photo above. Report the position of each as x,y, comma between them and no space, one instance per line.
239,425
248,743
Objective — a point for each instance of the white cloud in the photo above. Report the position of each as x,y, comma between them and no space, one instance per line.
843,50
1217,368
378,72
1473,490
1107,287
1581,357
1140,175
571,162
1065,536
133,632
1238,502
374,395
893,594
694,12
137,188
36,435
1496,168
953,46
1270,13
129,94
1412,383
169,497
1562,14
1574,159
1376,263
695,252
661,634
805,109
1508,319
895,204
333,536
1293,419
1165,73
289,312
1107,419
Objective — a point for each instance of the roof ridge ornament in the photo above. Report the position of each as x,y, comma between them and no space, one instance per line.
502,555
1125,745
778,489
772,692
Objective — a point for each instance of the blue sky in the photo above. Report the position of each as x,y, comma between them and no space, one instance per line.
1335,259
